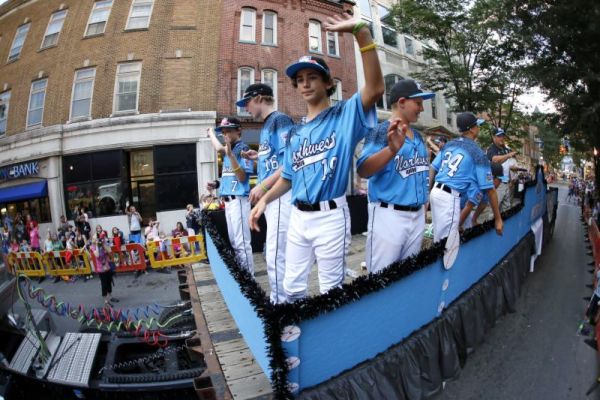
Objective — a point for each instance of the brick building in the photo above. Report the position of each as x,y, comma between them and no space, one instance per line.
108,101
260,38
105,102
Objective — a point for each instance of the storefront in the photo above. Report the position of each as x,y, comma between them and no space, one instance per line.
24,191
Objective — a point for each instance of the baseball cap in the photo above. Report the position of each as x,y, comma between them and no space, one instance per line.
312,62
254,90
230,122
408,89
499,132
467,120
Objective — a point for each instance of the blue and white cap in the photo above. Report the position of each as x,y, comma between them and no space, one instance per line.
408,89
312,62
467,120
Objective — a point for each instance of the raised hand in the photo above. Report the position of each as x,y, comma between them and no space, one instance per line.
396,134
250,154
227,147
341,23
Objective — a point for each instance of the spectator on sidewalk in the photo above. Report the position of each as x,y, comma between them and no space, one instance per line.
34,236
134,220
99,251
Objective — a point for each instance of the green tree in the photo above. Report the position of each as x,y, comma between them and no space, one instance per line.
469,53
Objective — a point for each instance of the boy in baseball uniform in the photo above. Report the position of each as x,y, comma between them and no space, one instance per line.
259,101
318,161
234,188
397,166
459,165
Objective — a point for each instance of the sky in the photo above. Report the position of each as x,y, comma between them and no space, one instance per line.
3,1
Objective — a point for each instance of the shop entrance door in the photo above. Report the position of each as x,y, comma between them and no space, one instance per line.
144,199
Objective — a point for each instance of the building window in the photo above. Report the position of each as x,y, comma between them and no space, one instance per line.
434,113
269,35
127,87
269,77
245,79
390,81
408,44
336,97
387,27
139,15
37,98
333,48
83,87
96,182
365,8
4,103
175,176
53,30
248,25
314,37
448,113
19,40
98,17
39,209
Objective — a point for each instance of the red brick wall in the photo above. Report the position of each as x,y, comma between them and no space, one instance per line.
292,43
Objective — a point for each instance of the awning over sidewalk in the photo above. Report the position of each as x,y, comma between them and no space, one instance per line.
22,192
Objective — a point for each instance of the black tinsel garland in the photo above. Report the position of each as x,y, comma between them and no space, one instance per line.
276,317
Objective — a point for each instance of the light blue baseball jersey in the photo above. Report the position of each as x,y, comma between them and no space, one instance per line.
320,152
405,179
473,195
462,163
273,140
229,182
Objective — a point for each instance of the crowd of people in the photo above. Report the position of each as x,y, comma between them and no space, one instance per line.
21,233
303,172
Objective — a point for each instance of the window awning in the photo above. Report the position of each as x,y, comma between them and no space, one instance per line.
23,192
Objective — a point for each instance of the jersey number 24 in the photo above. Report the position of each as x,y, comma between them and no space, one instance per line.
452,162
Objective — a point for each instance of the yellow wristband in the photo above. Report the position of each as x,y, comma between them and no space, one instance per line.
236,169
263,187
368,47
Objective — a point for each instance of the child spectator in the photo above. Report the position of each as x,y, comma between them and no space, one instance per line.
34,236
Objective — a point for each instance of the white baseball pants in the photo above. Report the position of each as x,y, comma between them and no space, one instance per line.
237,212
445,212
324,235
392,235
277,214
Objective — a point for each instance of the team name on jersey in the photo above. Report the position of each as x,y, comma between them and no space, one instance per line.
407,167
227,171
310,153
264,149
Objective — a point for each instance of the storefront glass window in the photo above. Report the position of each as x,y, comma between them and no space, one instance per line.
176,179
39,209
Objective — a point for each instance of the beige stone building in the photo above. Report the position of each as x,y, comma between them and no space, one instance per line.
101,103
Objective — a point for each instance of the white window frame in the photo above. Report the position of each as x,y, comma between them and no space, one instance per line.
81,80
314,22
18,32
253,13
5,97
61,16
435,109
336,97
94,9
274,14
273,84
370,16
337,43
240,110
137,3
116,91
412,42
31,93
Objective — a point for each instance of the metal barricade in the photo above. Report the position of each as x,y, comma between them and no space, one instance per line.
68,262
28,263
129,257
176,251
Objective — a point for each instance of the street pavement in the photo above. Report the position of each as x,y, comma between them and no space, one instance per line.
536,353
132,291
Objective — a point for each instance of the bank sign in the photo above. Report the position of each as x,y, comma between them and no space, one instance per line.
22,170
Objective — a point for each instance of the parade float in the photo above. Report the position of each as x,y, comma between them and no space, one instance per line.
397,334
